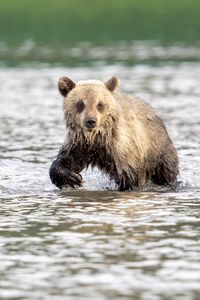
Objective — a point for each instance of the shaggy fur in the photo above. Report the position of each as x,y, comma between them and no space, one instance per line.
125,138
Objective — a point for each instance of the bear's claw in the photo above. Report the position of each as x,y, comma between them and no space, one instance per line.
62,176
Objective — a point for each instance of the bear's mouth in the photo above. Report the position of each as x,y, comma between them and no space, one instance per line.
89,129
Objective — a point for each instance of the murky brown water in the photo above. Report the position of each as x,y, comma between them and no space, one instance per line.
94,243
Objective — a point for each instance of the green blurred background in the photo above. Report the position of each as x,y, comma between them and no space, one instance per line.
59,24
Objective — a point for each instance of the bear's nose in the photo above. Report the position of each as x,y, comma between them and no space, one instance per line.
90,122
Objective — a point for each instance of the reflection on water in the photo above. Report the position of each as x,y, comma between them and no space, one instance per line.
87,53
95,242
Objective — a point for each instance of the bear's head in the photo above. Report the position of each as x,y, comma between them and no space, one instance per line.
89,105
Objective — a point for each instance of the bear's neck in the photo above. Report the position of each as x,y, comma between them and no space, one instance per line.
91,145
91,140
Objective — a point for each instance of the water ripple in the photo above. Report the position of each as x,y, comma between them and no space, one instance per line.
95,242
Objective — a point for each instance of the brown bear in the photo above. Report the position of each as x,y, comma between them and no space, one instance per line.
118,133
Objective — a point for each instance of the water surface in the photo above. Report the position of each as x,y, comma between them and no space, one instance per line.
96,242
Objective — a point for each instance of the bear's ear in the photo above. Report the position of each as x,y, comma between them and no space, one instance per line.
112,83
65,85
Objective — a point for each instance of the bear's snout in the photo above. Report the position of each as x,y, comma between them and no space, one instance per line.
90,123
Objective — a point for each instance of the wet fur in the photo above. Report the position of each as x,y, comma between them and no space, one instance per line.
130,143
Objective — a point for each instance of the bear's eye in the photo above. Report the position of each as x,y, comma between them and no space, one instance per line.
100,106
80,106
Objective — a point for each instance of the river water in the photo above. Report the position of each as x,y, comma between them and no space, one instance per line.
95,242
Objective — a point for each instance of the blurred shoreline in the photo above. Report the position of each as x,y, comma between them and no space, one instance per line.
85,32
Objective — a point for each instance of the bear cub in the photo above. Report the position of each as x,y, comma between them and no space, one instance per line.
117,133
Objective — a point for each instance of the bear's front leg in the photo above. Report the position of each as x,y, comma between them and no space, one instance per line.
62,175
